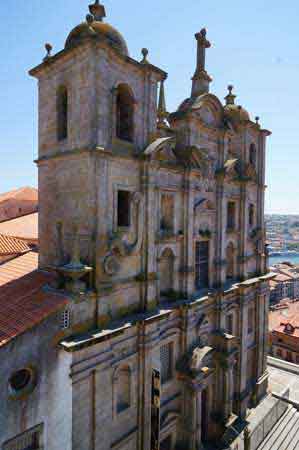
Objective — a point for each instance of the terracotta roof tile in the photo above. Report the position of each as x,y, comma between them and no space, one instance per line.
11,246
24,301
288,312
24,193
25,227
282,277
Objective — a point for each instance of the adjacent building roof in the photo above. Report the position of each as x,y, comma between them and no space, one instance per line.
12,246
284,315
25,227
24,300
24,193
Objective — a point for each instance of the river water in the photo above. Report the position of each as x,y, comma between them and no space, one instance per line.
294,259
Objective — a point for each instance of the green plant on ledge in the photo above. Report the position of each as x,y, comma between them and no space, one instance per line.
205,233
173,295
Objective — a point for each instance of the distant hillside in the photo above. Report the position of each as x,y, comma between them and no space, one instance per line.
18,202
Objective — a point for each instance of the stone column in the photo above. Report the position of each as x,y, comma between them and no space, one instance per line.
243,232
188,234
243,352
192,415
262,344
228,392
149,256
220,233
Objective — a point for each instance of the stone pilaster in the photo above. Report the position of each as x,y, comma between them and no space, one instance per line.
188,233
220,234
243,232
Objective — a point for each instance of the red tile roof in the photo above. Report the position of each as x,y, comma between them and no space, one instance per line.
284,313
24,301
25,227
23,193
282,277
12,246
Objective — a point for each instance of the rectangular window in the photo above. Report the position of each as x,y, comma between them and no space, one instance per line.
230,323
167,212
202,264
251,215
231,215
250,320
30,440
166,356
123,209
65,319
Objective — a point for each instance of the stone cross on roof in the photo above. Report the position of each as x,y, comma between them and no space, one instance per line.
97,10
201,79
202,45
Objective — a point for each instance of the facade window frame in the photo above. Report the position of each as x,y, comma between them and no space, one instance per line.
231,214
202,264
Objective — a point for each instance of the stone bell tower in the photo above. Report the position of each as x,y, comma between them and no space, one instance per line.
94,101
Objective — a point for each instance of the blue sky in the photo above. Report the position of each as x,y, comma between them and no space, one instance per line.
255,47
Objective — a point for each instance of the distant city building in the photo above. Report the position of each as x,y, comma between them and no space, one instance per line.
18,203
285,284
143,322
284,331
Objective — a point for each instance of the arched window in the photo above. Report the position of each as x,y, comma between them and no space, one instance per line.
251,215
230,261
252,154
166,267
124,113
123,389
62,113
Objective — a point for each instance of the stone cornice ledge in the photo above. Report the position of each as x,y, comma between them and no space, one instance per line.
74,151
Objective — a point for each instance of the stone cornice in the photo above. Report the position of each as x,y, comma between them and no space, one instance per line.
92,41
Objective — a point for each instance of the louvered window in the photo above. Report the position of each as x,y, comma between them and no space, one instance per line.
202,264
166,352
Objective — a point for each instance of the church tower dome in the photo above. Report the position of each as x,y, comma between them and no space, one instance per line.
95,28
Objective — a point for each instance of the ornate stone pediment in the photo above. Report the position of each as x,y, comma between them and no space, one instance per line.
195,361
204,205
161,150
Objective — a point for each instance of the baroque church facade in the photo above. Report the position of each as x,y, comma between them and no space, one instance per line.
152,227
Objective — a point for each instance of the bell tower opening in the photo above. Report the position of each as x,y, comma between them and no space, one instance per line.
124,113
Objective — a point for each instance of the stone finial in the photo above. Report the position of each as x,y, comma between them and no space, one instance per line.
144,53
230,98
162,112
201,79
89,19
257,119
48,48
97,10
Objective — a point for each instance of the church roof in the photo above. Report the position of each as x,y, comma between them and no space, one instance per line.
94,27
24,302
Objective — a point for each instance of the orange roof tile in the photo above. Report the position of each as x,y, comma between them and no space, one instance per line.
282,277
11,246
24,301
25,227
24,193
288,312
